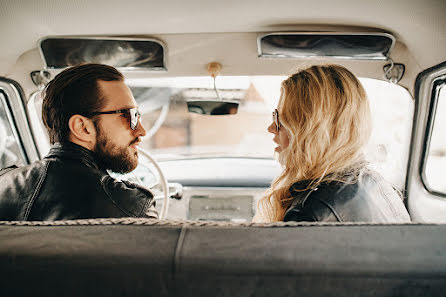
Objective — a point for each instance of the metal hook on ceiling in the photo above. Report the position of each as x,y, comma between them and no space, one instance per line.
40,78
393,72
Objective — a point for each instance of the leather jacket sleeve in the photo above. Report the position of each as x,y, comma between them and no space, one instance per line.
132,199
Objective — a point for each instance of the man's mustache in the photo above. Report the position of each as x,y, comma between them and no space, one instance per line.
136,140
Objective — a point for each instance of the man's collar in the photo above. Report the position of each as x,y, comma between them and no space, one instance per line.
70,150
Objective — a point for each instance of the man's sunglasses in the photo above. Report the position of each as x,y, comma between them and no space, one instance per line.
276,120
131,113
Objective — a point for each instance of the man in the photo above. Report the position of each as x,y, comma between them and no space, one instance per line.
94,125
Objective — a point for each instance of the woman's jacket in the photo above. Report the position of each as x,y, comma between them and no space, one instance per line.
368,199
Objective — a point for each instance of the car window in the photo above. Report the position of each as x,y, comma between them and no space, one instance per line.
38,128
392,109
436,157
10,152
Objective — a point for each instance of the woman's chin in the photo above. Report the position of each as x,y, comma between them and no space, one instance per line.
279,157
278,149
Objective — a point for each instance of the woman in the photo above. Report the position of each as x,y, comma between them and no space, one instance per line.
321,125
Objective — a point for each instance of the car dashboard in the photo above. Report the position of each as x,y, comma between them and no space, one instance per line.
234,204
210,188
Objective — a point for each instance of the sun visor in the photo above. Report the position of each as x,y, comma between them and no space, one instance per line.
122,53
354,46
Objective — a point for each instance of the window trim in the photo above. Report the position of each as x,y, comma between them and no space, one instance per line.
12,124
18,119
436,84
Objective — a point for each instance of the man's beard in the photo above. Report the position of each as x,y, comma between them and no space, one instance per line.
110,156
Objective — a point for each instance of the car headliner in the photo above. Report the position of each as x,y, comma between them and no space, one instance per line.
188,29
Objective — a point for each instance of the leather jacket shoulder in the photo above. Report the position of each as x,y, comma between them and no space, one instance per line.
68,184
369,199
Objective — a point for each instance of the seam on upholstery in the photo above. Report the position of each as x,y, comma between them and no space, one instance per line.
331,208
111,199
178,249
189,223
36,191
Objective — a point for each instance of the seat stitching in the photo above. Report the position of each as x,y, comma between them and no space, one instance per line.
178,249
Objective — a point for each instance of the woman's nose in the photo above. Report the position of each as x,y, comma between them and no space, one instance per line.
272,128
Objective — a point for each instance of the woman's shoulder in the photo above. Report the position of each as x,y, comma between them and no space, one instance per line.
366,198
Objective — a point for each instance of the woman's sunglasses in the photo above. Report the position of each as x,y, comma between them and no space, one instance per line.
276,120
131,113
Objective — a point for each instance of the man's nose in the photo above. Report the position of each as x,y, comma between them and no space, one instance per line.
140,131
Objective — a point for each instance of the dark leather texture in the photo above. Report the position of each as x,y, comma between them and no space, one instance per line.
369,199
133,260
68,184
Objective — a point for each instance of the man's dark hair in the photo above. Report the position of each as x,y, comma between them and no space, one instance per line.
74,91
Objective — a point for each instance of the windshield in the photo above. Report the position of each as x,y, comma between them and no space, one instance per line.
173,132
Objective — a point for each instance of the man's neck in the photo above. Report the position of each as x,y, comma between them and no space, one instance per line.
84,144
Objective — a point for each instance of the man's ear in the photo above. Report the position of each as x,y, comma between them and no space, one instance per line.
82,129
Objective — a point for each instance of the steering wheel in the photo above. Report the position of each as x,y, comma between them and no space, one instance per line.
163,182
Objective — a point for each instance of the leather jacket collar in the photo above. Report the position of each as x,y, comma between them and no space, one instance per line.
70,150
300,191
301,186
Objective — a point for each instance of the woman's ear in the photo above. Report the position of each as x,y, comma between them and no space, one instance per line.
82,130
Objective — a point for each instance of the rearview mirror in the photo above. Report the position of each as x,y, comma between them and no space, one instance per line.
215,107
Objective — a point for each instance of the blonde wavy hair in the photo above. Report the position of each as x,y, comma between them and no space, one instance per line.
326,114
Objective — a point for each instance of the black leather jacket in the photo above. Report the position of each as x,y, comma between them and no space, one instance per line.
68,184
370,199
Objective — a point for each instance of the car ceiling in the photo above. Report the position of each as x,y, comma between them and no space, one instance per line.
187,28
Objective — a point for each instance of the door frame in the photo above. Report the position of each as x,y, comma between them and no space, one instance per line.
423,204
